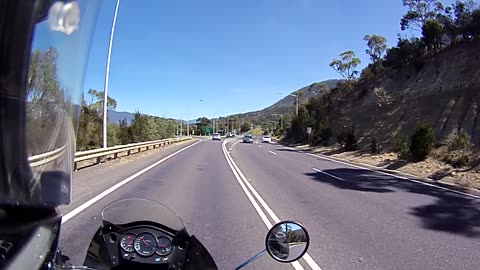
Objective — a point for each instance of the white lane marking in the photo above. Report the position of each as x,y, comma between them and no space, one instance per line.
231,147
290,148
259,146
271,152
260,212
270,212
95,199
397,176
331,175
252,200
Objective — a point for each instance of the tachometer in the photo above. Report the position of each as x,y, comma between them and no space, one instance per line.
164,246
127,242
145,244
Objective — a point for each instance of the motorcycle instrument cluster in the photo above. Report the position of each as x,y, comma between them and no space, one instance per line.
146,244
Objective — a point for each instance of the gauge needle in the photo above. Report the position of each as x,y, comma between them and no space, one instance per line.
147,243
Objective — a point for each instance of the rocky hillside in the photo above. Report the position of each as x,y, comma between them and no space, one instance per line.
444,92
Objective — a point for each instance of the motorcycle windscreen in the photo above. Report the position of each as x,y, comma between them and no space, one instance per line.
134,210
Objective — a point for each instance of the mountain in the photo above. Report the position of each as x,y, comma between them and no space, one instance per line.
115,117
306,93
287,104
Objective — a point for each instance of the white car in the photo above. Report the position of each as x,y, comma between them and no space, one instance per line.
266,139
216,136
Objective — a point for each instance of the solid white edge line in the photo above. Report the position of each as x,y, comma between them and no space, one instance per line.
397,176
271,152
331,175
95,199
270,212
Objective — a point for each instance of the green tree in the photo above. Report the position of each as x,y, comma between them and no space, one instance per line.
96,100
113,131
463,17
299,126
125,134
346,65
449,27
89,135
475,24
377,45
419,12
432,34
407,52
42,88
245,126
139,127
422,141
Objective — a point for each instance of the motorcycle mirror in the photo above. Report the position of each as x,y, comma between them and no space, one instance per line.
287,241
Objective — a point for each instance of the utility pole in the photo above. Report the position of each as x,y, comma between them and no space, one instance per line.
296,101
188,124
281,119
181,131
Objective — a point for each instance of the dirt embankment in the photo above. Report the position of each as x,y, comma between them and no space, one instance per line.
431,169
445,92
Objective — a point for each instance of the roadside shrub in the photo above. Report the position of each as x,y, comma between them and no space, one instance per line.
422,141
461,141
458,158
401,147
459,154
347,140
374,146
350,141
325,136
341,139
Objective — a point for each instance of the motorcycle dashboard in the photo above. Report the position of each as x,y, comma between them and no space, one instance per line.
144,245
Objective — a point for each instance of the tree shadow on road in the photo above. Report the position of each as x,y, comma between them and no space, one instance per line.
450,212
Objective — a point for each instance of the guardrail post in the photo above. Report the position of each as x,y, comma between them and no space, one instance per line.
99,159
115,156
128,152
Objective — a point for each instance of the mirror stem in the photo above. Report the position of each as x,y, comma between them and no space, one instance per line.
258,255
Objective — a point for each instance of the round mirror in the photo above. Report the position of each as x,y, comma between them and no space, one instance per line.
287,241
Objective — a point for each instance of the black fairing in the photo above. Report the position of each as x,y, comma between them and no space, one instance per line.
104,254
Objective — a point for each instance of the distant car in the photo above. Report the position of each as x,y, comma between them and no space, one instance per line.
229,135
248,139
266,139
216,136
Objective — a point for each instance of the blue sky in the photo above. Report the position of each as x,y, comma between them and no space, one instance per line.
236,56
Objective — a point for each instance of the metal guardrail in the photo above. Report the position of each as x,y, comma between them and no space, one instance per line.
102,153
47,157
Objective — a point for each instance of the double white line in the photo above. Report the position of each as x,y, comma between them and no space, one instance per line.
242,180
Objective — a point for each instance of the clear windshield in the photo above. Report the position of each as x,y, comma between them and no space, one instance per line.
134,210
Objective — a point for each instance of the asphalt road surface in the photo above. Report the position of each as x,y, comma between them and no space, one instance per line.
228,193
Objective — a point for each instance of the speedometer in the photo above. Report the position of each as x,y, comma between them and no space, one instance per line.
127,242
164,246
145,244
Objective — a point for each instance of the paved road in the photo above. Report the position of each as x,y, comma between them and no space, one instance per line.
196,183
357,219
360,219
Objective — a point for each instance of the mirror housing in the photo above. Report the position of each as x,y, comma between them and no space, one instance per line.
287,241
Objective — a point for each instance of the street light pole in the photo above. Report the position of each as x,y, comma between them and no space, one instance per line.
188,124
105,97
